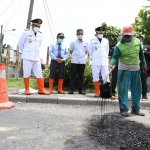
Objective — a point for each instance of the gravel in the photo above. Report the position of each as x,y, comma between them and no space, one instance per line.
116,132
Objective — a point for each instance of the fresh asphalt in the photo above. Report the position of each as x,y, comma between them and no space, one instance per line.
57,122
37,126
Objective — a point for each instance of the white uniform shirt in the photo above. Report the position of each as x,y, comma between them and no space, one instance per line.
79,49
29,45
99,51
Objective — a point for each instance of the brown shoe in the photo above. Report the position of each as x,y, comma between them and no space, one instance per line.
137,113
113,97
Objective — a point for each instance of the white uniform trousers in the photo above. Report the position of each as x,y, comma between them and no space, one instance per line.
28,65
96,70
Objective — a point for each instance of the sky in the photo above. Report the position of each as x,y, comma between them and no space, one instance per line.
67,16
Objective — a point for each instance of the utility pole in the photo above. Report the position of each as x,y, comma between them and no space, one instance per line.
28,27
30,14
1,43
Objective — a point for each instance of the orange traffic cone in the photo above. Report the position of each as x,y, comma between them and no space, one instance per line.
4,102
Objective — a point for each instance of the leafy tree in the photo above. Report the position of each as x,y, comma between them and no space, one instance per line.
111,33
142,24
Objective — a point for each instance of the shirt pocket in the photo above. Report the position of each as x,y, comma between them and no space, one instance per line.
38,39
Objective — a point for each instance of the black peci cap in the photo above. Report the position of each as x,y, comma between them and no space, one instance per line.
100,29
37,22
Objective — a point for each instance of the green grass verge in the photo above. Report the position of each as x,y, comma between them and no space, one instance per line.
19,83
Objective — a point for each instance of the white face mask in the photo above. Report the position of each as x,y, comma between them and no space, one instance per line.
100,36
36,29
80,36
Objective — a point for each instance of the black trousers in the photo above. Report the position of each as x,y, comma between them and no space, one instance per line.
57,69
144,82
77,69
114,80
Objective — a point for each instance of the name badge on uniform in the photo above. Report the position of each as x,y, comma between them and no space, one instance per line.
30,41
95,47
30,35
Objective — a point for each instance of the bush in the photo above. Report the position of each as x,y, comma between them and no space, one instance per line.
46,73
87,75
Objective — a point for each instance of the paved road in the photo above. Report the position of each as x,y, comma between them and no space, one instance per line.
31,126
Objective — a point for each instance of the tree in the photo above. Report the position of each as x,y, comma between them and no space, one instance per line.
142,24
111,33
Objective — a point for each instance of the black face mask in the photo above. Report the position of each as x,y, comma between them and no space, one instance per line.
127,39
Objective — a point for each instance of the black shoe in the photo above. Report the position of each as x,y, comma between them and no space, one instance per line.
124,114
82,92
70,92
144,97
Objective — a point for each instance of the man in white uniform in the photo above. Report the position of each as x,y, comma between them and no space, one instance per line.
78,49
29,44
99,51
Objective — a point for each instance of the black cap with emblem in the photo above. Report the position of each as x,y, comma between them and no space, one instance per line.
37,22
100,29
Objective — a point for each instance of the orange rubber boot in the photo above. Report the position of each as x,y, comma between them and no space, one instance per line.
60,84
26,84
51,83
97,89
41,90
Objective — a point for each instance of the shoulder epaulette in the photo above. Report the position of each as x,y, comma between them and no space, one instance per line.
92,39
40,32
26,29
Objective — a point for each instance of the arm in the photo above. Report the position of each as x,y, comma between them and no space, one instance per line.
41,40
86,48
115,58
21,41
66,55
90,48
51,54
141,56
71,48
107,49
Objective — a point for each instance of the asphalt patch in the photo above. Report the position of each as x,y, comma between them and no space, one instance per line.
116,132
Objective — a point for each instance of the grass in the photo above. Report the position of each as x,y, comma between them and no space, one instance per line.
19,83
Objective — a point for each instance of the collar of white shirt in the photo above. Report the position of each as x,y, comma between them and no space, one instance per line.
79,40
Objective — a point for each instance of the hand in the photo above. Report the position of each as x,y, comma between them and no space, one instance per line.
144,69
58,60
61,60
111,68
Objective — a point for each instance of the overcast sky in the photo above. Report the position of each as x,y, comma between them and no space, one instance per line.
67,16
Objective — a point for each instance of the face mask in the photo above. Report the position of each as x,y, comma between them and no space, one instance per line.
36,29
127,39
60,40
80,36
100,36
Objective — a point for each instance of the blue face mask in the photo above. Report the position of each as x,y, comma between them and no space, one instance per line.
60,40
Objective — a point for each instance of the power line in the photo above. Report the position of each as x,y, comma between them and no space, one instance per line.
41,10
13,14
7,7
50,16
48,21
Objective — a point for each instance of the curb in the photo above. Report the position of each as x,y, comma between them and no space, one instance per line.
67,100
